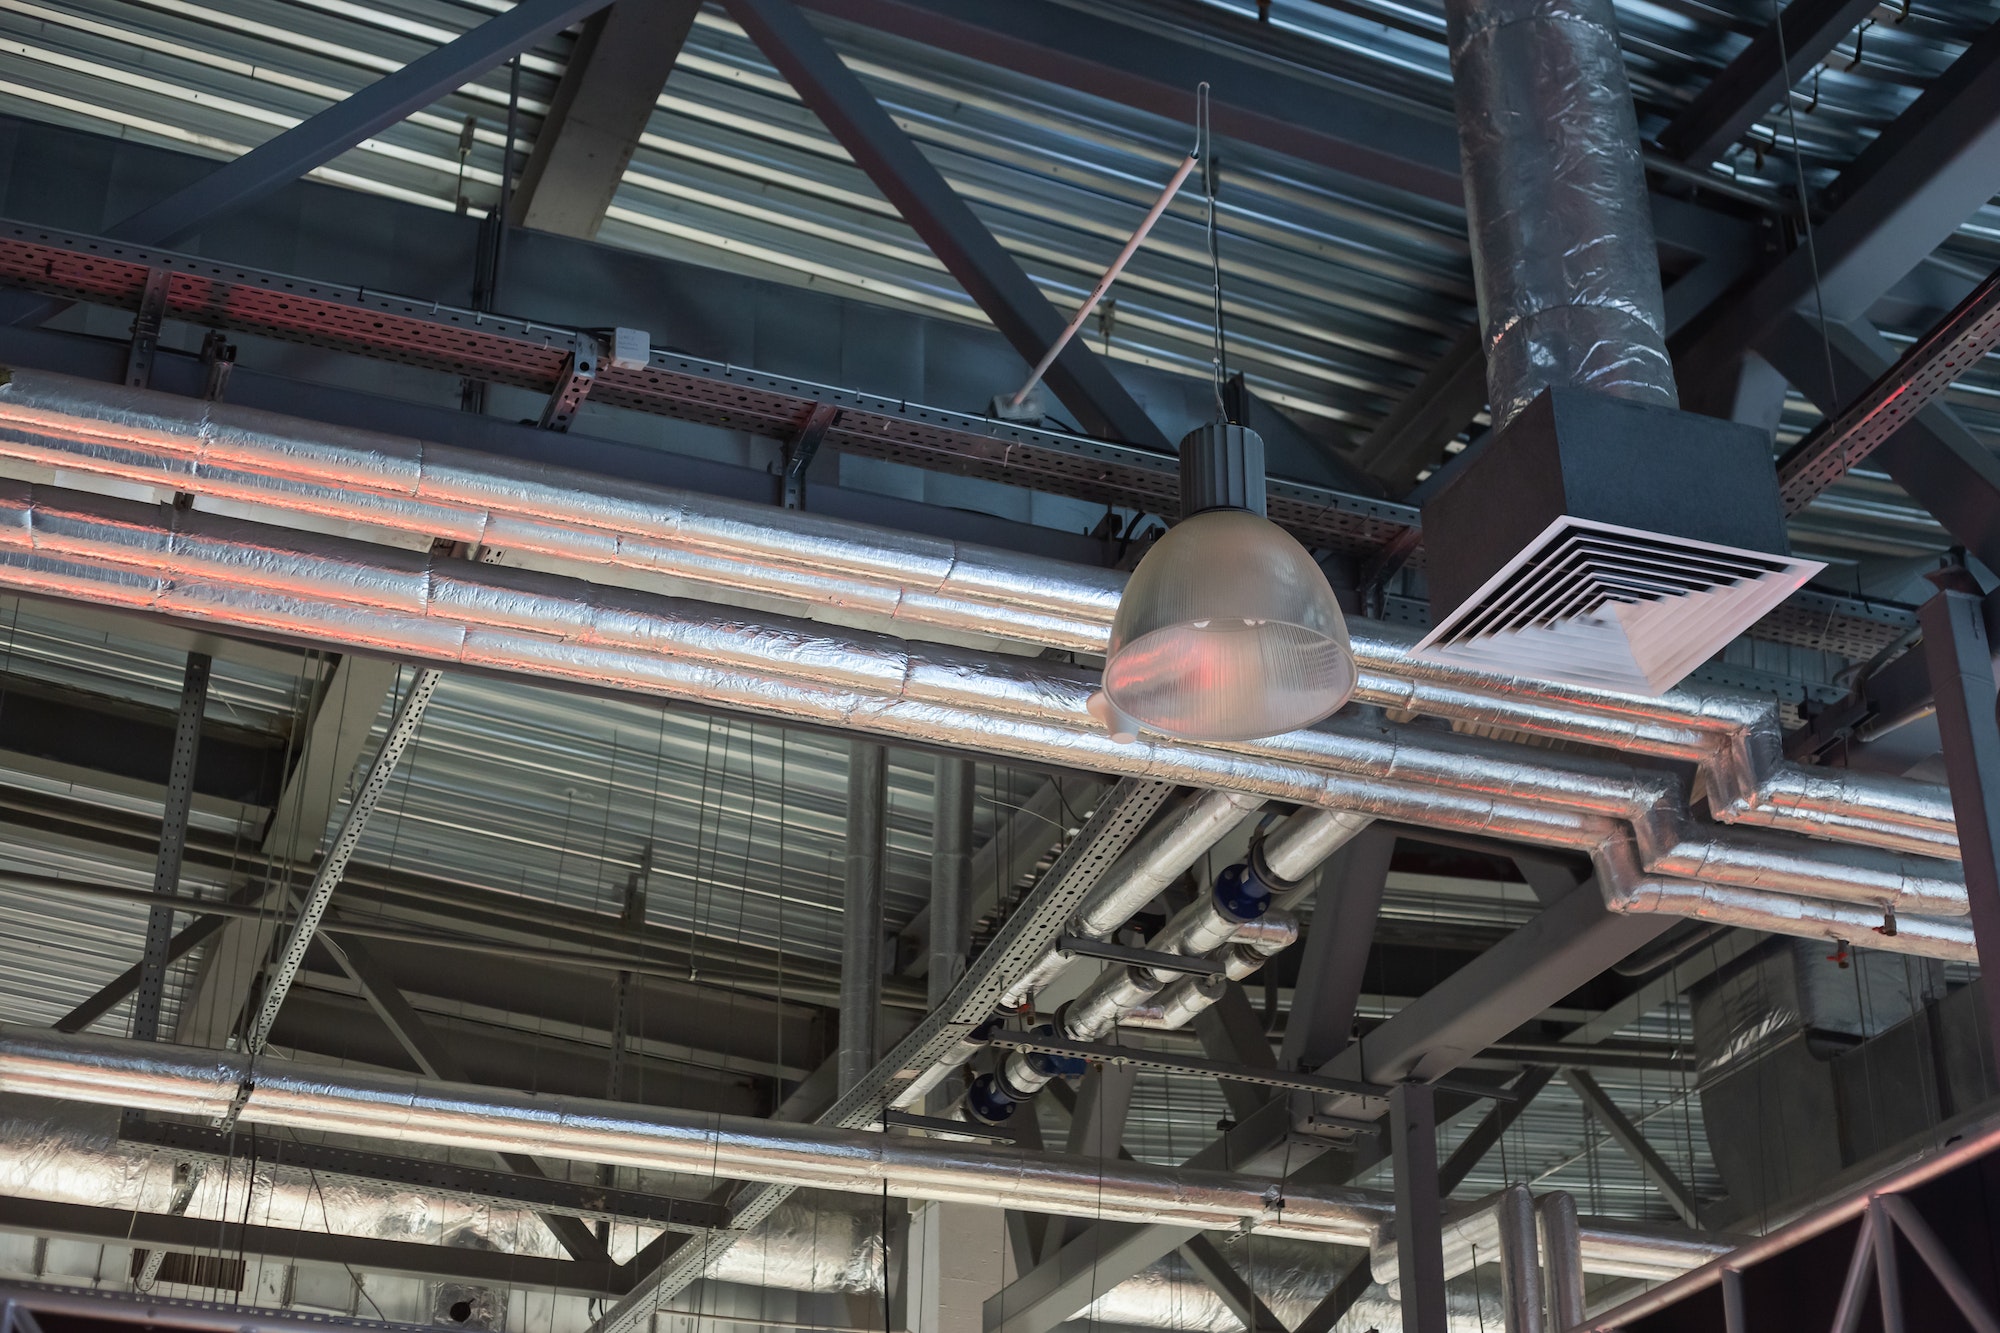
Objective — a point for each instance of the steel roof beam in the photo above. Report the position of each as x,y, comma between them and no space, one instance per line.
320,138
1265,97
961,242
1761,74
1931,169
602,105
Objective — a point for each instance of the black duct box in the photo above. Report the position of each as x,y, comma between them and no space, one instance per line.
1578,454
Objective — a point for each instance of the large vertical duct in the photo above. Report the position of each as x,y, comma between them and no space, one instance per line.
1555,196
1602,537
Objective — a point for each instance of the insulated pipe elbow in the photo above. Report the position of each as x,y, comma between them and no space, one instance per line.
1297,847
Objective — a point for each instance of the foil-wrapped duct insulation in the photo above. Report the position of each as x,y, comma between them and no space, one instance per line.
187,1081
90,435
227,574
69,1152
1176,1006
1556,202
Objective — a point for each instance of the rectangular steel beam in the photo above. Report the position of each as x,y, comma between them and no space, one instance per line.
1940,464
602,105
960,240
1430,416
1019,945
1542,961
1472,1150
1759,76
1922,373
1230,1030
1419,1208
1337,944
1929,170
1105,1254
1539,963
1960,657
320,138
1220,1276
1324,120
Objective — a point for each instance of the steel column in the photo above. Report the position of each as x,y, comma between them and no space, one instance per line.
861,915
951,875
173,845
1338,939
1419,1209
1960,658
926,201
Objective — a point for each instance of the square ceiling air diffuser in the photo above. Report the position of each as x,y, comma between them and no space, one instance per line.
1606,544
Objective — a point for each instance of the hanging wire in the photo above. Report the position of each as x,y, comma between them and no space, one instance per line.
1805,204
1210,183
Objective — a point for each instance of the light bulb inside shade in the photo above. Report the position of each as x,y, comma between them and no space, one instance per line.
1227,632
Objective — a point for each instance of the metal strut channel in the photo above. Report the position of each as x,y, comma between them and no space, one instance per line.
1140,1058
146,329
498,350
1126,953
1927,369
402,729
578,377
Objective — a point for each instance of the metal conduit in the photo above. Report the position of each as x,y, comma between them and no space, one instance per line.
187,1081
260,580
645,535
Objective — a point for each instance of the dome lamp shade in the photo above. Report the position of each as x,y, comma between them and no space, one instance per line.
1227,630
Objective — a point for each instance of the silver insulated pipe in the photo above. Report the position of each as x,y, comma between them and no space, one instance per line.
180,1080
110,440
1555,195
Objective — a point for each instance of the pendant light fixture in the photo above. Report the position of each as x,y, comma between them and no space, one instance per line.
1227,631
